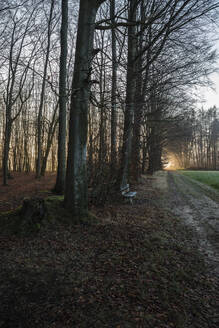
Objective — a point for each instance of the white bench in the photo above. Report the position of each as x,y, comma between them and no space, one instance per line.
126,193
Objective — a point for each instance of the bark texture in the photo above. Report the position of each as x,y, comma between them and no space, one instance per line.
130,95
42,95
75,198
114,89
61,171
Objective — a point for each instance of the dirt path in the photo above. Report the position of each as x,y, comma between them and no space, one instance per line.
198,205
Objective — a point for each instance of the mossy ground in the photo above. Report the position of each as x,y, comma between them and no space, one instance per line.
12,222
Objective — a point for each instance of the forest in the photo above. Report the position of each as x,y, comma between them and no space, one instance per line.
109,164
107,96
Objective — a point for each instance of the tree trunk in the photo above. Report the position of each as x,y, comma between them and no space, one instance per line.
8,127
139,102
130,94
61,171
75,198
50,137
114,88
155,137
42,96
144,155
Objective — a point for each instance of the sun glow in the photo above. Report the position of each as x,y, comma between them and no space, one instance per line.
169,164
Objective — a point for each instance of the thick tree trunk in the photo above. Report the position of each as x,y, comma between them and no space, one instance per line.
102,109
130,95
139,101
155,139
76,175
136,142
114,88
61,171
152,151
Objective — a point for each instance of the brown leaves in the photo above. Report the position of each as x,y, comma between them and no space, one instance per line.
138,268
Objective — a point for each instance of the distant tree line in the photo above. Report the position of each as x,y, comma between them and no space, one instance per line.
194,141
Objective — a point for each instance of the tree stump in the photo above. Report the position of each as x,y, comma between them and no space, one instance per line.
33,212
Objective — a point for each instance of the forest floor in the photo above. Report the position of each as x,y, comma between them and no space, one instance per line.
151,264
24,185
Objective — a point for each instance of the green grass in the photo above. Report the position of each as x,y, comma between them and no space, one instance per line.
210,178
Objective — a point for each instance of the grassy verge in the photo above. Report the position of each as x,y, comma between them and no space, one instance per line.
135,267
210,178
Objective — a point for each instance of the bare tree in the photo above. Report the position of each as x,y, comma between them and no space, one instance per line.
15,82
42,95
10,4
76,176
60,179
130,94
114,88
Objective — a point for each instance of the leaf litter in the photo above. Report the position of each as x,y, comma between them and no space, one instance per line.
138,266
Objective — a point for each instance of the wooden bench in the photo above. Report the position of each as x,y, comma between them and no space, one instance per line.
126,193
